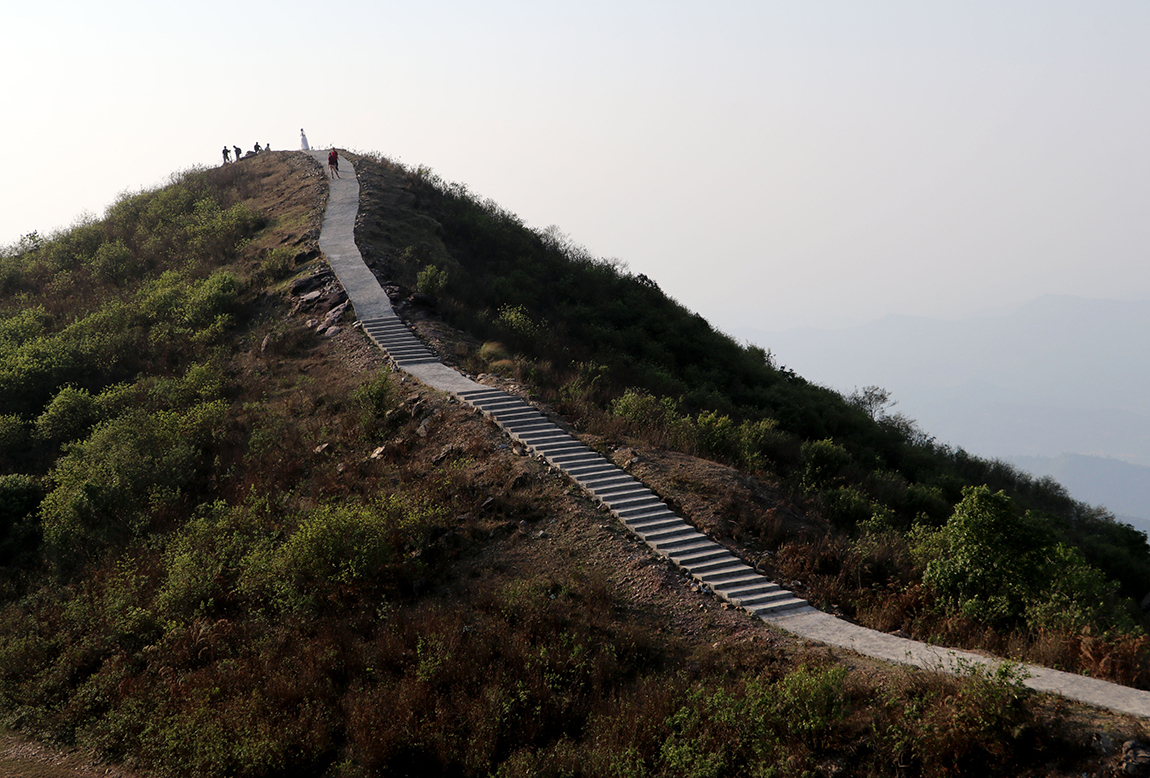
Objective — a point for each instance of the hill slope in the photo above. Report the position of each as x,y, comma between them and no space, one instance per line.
249,550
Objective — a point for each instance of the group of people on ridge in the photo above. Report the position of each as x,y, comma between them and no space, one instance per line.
240,153
332,157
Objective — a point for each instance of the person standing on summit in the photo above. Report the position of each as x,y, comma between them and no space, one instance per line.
303,141
333,165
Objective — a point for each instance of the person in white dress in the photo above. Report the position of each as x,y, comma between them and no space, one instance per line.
303,141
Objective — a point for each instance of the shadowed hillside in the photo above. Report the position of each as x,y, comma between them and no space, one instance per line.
235,543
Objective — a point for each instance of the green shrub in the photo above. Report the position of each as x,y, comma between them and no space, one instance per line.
339,549
729,732
208,299
996,565
14,435
518,325
431,280
824,463
375,399
115,264
970,725
205,560
1075,596
110,486
645,410
993,560
69,416
846,507
718,436
20,496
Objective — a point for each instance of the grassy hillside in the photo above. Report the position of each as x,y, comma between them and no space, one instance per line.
235,545
615,354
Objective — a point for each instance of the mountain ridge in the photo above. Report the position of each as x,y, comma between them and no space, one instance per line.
1064,356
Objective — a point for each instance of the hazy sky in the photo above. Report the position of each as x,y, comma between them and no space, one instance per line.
769,164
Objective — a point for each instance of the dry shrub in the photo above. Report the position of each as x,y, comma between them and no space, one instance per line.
930,724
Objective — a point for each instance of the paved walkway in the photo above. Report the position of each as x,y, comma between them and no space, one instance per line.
636,506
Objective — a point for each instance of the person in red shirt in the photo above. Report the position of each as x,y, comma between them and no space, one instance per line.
333,164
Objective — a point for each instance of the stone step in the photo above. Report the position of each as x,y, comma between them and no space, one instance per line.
603,488
583,469
643,511
610,475
735,581
615,491
635,503
510,415
716,566
660,522
764,600
656,519
705,559
499,408
542,435
794,603
524,425
730,571
696,540
551,449
582,457
565,442
764,585
660,534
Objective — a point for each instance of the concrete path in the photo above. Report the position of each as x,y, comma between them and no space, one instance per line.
636,506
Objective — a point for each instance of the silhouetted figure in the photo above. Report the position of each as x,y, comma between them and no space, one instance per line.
227,155
333,165
258,147
303,141
239,152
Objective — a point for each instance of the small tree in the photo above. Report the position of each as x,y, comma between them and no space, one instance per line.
874,400
431,280
993,561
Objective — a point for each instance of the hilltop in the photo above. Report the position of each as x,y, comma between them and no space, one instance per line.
236,543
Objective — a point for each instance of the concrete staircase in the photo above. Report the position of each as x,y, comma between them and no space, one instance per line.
635,505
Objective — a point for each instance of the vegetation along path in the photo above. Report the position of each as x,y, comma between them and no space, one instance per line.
636,506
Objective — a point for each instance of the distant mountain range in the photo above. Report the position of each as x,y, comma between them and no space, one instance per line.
1120,486
1061,382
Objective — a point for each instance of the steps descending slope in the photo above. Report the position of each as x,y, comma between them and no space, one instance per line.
640,509
636,506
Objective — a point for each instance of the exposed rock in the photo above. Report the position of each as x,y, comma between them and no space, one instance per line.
1102,744
334,315
395,292
1135,758
444,453
306,284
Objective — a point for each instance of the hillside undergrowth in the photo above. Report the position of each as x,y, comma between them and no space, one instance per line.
234,544
625,362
